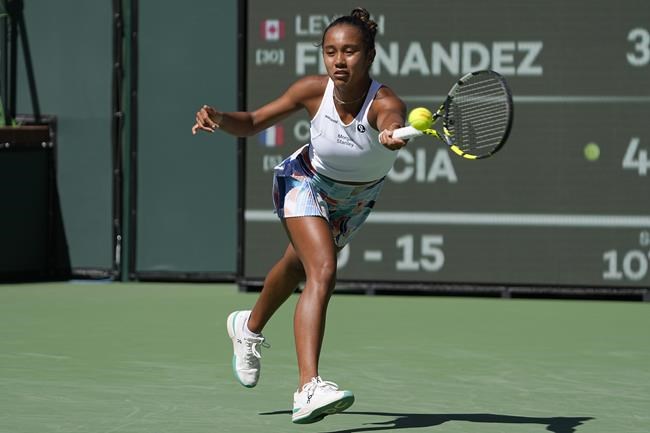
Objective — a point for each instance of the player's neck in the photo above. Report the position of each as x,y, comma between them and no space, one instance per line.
346,98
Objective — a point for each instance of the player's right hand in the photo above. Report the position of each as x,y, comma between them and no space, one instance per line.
386,138
207,119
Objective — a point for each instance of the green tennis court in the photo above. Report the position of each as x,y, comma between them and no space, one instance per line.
88,357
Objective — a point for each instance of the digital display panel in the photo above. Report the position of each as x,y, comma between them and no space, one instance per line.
567,200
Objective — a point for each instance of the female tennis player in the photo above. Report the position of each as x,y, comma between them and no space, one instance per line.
322,193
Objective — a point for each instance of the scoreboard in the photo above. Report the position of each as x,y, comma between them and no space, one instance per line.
565,203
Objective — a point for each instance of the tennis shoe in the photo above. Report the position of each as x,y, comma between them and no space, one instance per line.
247,349
317,399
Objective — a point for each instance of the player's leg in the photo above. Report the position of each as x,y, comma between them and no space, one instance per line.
313,243
281,281
245,327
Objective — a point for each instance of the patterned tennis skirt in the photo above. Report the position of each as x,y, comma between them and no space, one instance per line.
299,191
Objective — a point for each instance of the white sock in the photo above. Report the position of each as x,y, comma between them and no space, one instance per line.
248,332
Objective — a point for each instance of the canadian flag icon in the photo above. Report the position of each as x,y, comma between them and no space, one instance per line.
272,30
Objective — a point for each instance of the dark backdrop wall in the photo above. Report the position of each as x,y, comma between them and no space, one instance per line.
186,195
71,52
187,192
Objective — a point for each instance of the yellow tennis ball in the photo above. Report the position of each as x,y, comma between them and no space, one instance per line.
420,118
592,152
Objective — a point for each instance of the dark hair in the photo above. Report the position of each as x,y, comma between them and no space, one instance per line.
359,18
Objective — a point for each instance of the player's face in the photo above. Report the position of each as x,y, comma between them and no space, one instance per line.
346,59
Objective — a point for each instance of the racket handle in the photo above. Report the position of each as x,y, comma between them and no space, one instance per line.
407,132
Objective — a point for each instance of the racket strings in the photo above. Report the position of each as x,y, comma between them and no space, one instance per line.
481,102
479,115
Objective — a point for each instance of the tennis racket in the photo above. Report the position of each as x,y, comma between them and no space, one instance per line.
476,116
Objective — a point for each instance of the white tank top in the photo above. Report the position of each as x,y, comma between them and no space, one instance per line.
352,152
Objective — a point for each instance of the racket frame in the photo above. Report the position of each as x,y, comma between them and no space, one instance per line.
446,136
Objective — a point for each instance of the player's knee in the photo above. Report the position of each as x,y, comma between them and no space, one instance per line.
323,276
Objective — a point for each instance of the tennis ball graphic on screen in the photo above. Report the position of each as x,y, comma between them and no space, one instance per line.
592,152
420,118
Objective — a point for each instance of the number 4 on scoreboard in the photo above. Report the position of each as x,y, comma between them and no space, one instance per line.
635,158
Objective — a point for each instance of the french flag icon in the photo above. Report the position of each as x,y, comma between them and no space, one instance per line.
272,29
272,137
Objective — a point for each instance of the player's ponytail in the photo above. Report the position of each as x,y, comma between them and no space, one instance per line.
364,16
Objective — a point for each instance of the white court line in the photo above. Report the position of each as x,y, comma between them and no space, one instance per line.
487,219
549,99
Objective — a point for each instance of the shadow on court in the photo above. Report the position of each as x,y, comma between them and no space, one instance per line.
420,420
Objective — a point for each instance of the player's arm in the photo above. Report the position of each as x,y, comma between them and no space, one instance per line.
390,112
246,123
